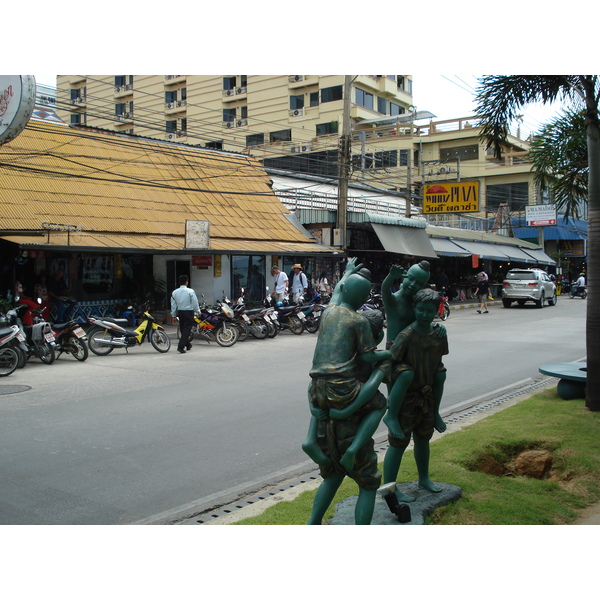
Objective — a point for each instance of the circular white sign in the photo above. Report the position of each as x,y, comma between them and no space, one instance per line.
17,101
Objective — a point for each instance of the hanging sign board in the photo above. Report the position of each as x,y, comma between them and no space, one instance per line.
17,101
202,261
538,215
197,234
460,197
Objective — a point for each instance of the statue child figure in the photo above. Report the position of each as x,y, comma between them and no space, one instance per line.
344,446
414,399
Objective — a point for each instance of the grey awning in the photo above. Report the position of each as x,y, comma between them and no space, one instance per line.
515,253
445,247
489,251
404,240
540,257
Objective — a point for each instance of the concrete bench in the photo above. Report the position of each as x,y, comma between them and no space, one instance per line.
572,377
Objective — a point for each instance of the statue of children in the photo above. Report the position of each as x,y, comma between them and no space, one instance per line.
414,399
345,338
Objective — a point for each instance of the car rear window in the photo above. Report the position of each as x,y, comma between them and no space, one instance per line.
520,275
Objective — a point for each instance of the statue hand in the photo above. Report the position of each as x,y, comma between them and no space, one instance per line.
319,413
352,267
440,330
338,413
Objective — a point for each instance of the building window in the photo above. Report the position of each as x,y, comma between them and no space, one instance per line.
396,109
228,83
255,139
214,145
514,194
462,152
183,124
285,135
331,94
122,80
244,112
326,128
403,158
76,119
170,96
404,84
364,99
243,80
171,126
249,273
314,99
120,109
381,105
386,158
229,115
296,102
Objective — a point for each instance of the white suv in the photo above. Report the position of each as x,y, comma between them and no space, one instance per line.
522,285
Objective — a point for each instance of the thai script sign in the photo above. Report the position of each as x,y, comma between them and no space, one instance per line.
451,197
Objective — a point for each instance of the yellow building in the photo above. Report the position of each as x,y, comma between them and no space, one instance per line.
294,122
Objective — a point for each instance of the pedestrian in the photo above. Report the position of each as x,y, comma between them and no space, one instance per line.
57,290
40,290
280,284
483,291
323,287
299,285
184,305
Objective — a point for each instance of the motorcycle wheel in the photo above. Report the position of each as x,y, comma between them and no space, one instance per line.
45,352
243,330
22,356
226,337
9,361
273,330
77,348
94,342
259,328
584,294
311,325
296,325
445,313
160,340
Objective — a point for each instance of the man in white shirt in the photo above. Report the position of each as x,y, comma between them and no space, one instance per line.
299,283
280,284
184,304
580,283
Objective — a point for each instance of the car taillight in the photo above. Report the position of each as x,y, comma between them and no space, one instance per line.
533,283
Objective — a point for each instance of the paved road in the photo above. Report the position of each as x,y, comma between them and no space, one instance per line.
146,437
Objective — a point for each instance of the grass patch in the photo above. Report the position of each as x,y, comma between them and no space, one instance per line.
566,429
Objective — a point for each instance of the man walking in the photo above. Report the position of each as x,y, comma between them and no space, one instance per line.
280,284
184,304
299,283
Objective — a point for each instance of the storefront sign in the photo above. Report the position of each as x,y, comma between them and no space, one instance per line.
451,197
538,215
17,101
572,248
202,261
197,234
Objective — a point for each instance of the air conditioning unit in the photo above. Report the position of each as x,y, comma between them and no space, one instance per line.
171,136
444,170
298,112
229,92
294,78
306,148
295,149
181,133
117,89
241,122
241,90
127,115
229,124
170,105
181,102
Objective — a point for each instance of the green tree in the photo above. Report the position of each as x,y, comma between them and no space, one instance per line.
499,98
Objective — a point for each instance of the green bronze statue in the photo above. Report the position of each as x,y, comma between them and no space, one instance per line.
418,377
345,403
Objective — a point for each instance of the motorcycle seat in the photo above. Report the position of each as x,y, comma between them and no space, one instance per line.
118,321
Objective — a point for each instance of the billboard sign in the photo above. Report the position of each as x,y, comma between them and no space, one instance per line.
538,215
17,101
444,198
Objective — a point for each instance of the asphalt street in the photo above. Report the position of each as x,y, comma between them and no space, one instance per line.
143,437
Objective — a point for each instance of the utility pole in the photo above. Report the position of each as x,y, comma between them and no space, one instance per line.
344,160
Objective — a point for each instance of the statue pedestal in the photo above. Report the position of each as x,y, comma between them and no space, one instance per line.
424,505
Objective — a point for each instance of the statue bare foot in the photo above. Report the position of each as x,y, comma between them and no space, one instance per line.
440,426
393,427
429,485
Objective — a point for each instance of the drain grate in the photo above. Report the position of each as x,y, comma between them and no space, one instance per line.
380,448
13,389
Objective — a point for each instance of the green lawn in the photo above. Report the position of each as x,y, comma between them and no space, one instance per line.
544,421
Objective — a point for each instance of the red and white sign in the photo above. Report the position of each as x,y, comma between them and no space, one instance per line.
538,215
17,101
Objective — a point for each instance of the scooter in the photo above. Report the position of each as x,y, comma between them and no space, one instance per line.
39,339
71,339
109,333
215,325
9,357
578,291
288,317
444,307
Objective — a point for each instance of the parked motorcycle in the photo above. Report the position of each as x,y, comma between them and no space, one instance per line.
288,317
109,333
39,339
9,357
312,313
71,339
215,325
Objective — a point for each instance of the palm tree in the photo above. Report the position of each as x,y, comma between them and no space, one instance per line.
499,98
